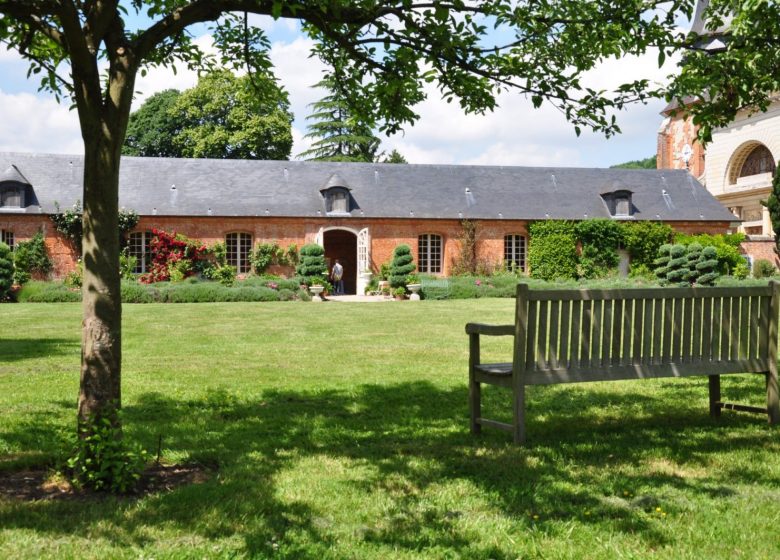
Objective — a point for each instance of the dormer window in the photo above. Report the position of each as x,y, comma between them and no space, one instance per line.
619,203
337,198
337,201
14,189
12,197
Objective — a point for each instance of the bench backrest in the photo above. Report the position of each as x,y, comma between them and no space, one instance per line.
592,335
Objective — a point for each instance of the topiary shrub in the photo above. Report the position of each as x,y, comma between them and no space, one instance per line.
763,268
661,263
708,267
694,256
401,266
677,270
312,264
6,271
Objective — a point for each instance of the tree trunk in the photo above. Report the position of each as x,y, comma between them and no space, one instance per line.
101,342
103,117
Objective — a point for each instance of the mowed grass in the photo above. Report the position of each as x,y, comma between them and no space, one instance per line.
341,431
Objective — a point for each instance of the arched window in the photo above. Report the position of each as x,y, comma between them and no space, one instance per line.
429,253
139,246
514,252
758,161
239,247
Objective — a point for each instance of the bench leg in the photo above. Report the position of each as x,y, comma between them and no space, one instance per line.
714,385
518,414
772,399
475,404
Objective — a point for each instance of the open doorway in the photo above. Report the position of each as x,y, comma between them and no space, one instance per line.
342,245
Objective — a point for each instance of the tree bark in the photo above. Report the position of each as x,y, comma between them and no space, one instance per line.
101,339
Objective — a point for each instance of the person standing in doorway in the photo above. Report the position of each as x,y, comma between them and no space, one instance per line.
337,276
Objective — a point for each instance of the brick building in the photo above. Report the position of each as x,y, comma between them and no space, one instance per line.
358,211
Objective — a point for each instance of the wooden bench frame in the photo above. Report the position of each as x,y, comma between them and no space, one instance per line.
570,336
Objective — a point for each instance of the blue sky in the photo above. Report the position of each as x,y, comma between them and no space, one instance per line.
515,134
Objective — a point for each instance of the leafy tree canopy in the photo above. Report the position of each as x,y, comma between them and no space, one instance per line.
222,117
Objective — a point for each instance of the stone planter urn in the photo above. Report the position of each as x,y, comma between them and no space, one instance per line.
414,288
364,279
315,292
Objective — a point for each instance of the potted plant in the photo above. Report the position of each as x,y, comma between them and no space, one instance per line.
401,266
312,268
400,293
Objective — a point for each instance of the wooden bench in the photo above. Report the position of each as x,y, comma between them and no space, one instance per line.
570,336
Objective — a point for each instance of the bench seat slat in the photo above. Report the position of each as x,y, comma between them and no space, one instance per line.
617,373
646,293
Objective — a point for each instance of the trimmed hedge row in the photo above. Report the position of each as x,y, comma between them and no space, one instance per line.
164,292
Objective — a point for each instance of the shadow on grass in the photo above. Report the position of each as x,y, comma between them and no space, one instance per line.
408,440
17,349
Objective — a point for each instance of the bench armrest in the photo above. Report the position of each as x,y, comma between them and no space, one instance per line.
490,330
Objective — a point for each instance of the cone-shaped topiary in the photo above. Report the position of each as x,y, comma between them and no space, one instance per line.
707,267
662,263
678,266
6,271
312,263
694,255
401,266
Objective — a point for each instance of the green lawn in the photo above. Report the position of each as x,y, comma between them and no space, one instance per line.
341,431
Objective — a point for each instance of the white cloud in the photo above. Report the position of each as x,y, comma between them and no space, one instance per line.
38,124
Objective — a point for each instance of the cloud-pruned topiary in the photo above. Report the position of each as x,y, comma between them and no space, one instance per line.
312,263
694,256
401,266
707,267
661,263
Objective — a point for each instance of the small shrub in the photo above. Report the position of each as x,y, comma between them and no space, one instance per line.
763,268
401,266
31,258
75,278
6,271
741,271
726,246
174,257
225,275
127,264
103,460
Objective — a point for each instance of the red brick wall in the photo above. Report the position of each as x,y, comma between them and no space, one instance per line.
24,227
385,234
763,249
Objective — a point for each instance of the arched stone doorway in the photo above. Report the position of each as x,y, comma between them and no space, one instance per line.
342,245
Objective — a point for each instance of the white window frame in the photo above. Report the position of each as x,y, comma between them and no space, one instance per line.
238,245
430,248
4,194
515,250
141,251
5,235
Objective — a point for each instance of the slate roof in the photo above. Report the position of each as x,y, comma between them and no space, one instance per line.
201,187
